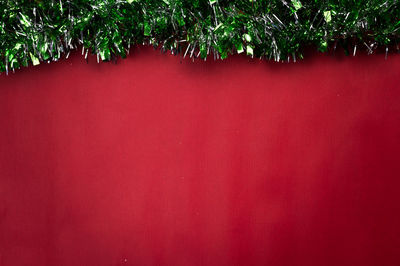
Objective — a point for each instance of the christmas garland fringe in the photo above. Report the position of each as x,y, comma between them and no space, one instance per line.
33,31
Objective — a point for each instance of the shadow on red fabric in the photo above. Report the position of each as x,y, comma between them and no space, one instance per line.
161,161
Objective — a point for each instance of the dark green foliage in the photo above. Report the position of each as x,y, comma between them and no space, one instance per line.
33,31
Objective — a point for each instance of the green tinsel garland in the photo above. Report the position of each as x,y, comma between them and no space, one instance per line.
44,30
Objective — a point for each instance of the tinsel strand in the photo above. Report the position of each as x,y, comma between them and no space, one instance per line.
33,31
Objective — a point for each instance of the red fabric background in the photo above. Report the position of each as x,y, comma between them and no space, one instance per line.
154,161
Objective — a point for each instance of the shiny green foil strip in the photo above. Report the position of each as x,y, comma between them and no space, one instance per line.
33,31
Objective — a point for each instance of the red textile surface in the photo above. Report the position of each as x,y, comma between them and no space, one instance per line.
156,162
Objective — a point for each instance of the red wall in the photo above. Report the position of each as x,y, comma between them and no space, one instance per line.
155,161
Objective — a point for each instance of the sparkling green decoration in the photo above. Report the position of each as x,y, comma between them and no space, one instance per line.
34,31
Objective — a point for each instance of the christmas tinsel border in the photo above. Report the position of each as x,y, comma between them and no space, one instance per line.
32,31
